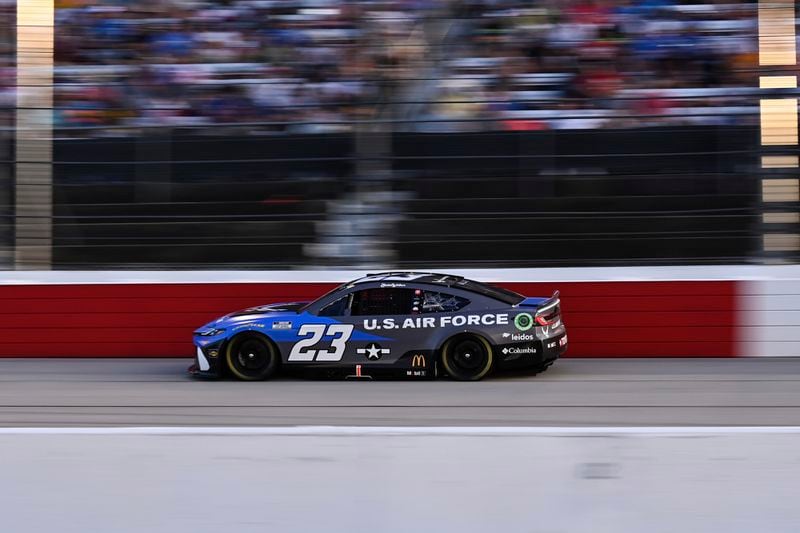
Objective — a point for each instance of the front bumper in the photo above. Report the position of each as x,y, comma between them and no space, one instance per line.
207,361
194,371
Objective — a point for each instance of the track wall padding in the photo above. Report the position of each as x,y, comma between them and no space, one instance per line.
148,317
770,318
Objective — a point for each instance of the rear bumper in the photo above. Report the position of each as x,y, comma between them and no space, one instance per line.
532,354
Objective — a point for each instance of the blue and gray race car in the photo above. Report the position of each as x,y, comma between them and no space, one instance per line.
393,324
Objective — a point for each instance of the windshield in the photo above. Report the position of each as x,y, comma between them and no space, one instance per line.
334,290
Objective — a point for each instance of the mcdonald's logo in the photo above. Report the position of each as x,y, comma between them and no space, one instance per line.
418,361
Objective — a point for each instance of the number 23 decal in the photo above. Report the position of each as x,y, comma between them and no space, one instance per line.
302,351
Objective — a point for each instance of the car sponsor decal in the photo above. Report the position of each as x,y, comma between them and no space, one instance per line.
248,325
432,322
519,350
519,336
523,321
282,324
373,351
418,365
302,350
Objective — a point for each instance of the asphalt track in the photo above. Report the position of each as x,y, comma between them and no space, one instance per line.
607,392
131,446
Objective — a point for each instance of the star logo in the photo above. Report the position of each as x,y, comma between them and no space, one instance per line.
373,351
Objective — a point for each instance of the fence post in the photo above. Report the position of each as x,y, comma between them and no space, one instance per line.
780,183
34,135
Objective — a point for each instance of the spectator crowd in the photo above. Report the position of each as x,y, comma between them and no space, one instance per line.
301,66
7,77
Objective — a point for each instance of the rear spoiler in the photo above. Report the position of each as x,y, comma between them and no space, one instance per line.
553,301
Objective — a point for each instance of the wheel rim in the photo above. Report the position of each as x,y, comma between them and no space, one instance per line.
251,357
469,357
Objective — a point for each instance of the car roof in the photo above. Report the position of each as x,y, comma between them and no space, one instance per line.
398,279
441,280
408,276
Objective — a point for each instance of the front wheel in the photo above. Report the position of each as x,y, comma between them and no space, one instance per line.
250,357
467,357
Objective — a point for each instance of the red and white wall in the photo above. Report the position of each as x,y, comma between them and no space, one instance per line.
731,311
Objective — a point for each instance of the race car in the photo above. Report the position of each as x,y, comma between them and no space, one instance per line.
388,325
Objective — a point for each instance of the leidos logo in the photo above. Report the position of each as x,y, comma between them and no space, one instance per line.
520,336
418,361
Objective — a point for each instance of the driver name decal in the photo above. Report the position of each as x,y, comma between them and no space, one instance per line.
432,322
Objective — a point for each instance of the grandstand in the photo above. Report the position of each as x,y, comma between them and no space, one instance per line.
315,66
300,133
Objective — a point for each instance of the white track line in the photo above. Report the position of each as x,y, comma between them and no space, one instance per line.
397,431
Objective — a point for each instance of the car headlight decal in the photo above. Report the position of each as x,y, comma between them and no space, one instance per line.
211,332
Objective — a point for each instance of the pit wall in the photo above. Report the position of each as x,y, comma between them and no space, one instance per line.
731,311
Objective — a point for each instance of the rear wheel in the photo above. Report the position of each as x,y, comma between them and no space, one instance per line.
467,357
251,357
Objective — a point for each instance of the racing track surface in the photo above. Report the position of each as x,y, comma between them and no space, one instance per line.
424,476
613,392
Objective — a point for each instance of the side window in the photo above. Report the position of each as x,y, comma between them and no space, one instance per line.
382,302
440,302
337,308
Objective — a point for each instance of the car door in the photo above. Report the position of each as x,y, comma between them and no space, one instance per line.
385,322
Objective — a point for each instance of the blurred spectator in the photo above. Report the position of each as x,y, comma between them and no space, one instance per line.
7,75
318,65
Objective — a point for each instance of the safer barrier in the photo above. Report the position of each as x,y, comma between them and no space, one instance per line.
628,312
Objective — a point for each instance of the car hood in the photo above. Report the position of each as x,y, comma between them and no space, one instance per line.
272,309
256,313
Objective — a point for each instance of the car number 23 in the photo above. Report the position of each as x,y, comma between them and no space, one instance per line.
302,350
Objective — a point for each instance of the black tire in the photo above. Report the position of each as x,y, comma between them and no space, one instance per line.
467,357
251,357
